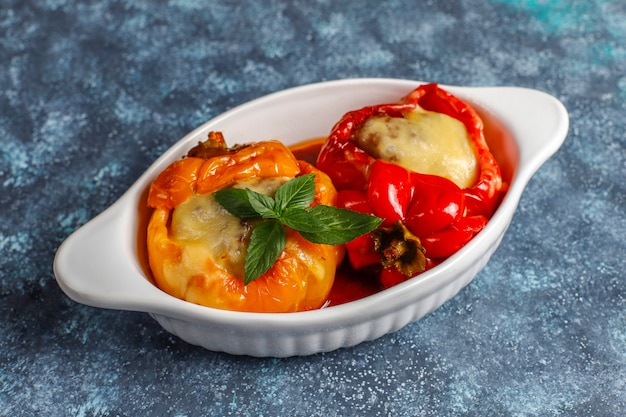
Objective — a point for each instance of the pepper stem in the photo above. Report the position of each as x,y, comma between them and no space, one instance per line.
215,145
400,249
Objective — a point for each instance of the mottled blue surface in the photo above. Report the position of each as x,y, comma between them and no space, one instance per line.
92,92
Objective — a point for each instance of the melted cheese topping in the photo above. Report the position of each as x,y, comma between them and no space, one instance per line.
423,141
202,223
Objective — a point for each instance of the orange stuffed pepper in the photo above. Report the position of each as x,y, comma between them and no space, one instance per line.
196,248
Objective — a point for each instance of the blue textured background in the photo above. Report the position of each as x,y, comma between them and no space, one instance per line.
92,92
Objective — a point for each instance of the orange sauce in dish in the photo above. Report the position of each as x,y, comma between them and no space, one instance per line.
308,150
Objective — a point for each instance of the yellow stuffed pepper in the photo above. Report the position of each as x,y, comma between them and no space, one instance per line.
197,249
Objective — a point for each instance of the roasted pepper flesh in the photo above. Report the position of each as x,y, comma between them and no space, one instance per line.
191,268
440,212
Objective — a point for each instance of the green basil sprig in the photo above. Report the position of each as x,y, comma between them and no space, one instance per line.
291,207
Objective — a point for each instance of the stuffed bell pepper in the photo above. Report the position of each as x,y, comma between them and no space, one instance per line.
424,167
247,228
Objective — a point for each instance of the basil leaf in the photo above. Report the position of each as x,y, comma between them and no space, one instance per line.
262,204
318,224
236,202
296,193
300,220
338,225
267,242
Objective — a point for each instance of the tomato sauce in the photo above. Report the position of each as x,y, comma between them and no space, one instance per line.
349,284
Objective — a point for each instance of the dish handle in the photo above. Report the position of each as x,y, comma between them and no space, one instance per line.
543,127
94,267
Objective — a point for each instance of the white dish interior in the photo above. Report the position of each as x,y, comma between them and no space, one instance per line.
102,263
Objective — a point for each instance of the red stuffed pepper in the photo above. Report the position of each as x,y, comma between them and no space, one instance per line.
422,165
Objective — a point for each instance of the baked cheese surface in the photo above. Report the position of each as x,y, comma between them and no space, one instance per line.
202,221
423,141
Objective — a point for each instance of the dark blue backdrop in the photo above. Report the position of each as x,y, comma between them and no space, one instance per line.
92,92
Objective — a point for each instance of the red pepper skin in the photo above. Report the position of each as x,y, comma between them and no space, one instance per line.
351,164
389,191
390,276
443,216
437,203
361,252
483,197
355,200
447,242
